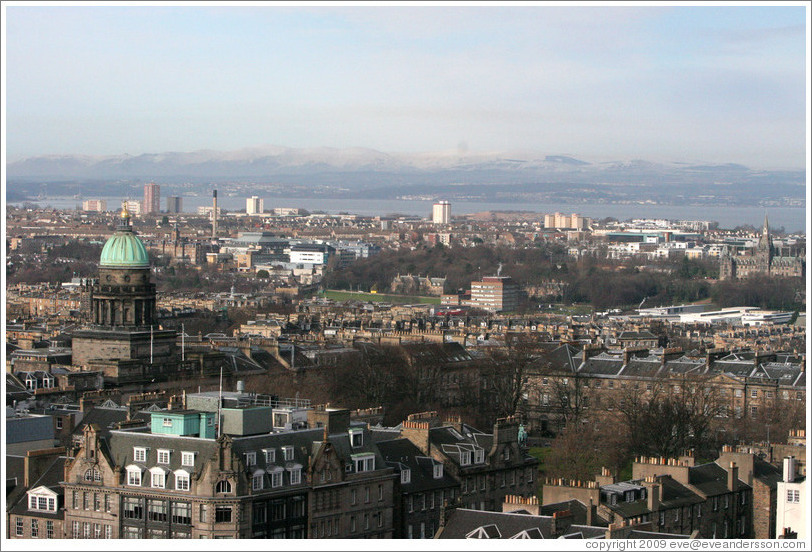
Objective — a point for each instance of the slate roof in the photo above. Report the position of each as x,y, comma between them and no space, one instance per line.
29,428
402,454
105,418
711,479
576,508
15,472
602,364
51,476
462,522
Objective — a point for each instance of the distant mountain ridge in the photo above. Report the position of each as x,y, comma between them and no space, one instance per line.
363,172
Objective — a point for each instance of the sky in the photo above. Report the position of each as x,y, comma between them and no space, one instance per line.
670,83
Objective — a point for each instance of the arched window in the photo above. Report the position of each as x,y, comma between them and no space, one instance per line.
93,475
223,487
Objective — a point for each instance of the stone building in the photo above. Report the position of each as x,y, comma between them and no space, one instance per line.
352,487
763,261
488,466
123,340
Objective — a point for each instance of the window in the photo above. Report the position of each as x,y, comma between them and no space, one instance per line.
34,529
163,456
793,496
754,393
222,514
41,503
182,513
409,532
352,524
380,519
158,478
132,532
19,527
438,471
479,456
405,476
223,487
134,476
74,527
156,510
139,454
357,438
108,532
662,517
93,475
295,476
167,422
737,393
411,503
204,513
86,530
366,495
270,455
96,502
353,497
256,481
365,463
133,508
507,454
431,500
465,458
380,492
276,479
49,529
181,480
250,458
97,530
187,458
754,411
716,504
287,453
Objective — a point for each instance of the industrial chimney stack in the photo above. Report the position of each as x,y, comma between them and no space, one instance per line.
214,217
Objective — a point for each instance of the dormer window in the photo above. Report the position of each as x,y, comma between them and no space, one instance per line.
158,478
438,471
134,476
405,476
257,480
250,458
465,458
139,454
356,438
270,455
41,502
287,453
187,458
223,487
364,462
163,456
295,475
479,456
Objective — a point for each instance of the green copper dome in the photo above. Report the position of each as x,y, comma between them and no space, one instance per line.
124,249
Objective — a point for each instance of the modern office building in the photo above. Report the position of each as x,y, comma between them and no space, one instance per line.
441,213
254,205
152,198
495,293
174,204
97,205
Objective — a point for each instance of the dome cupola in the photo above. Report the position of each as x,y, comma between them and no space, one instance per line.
124,249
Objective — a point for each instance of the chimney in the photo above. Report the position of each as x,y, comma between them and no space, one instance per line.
214,216
606,477
561,522
590,512
733,478
789,469
652,494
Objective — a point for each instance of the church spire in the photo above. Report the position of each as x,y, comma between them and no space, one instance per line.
766,229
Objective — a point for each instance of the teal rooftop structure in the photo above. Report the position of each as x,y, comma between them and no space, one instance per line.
124,249
183,423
